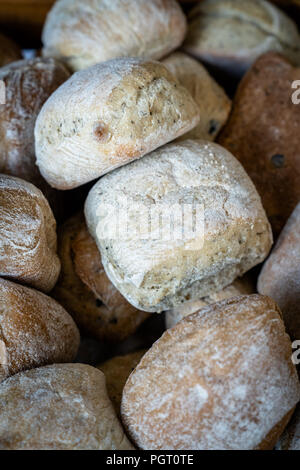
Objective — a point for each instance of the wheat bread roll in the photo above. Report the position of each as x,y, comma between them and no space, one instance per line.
34,330
221,379
213,103
86,33
207,225
85,291
262,132
9,51
28,239
290,439
59,407
280,275
107,116
241,286
232,34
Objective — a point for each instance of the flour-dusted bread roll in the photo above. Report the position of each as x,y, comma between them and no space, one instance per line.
241,286
59,407
116,371
34,330
290,439
222,378
280,276
87,33
107,116
231,34
213,103
262,132
85,291
9,51
207,225
27,235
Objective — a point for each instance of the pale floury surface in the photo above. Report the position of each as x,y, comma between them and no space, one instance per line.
59,407
154,266
84,33
222,378
109,115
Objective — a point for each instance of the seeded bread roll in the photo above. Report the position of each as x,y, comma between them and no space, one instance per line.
220,379
280,276
160,265
86,33
107,116
240,286
34,330
9,51
213,103
232,34
59,407
86,292
27,235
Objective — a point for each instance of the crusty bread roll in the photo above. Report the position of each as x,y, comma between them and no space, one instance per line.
262,132
86,292
107,116
290,439
27,235
34,330
116,371
231,34
241,286
86,33
222,378
9,51
213,103
159,265
59,407
280,276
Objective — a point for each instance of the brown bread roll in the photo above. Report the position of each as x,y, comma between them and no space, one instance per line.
59,407
27,235
34,330
86,292
222,378
262,134
290,439
107,116
280,276
9,51
86,33
213,103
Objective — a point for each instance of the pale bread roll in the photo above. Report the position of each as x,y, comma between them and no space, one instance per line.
86,33
27,235
34,330
240,286
220,379
213,103
9,51
59,407
232,34
153,266
107,116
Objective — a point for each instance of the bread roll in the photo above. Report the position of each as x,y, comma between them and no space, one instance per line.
107,116
262,133
34,330
27,235
160,265
85,291
86,33
232,34
59,407
9,51
241,286
221,379
213,103
117,371
280,276
290,439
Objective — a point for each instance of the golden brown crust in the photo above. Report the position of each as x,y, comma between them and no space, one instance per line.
9,51
34,330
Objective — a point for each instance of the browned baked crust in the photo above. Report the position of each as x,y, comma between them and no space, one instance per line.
9,51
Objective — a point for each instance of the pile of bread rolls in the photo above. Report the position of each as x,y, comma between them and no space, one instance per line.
124,112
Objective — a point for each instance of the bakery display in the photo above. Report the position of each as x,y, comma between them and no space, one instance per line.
215,381
59,407
34,330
